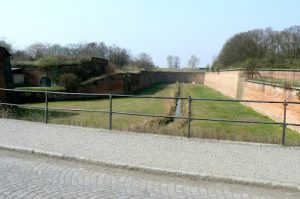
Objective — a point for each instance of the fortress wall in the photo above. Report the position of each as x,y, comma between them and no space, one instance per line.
225,82
257,91
232,84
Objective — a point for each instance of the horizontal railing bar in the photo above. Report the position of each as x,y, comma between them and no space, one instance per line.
147,96
83,110
20,90
292,124
84,94
292,102
236,121
54,92
147,115
42,108
22,105
233,100
151,115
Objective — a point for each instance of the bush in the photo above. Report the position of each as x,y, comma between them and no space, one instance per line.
70,81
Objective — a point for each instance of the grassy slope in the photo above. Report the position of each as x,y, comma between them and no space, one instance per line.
231,131
148,106
52,88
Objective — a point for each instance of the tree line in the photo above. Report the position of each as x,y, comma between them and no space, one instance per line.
174,62
266,48
55,54
58,54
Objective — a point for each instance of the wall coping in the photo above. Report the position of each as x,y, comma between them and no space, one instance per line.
262,69
272,84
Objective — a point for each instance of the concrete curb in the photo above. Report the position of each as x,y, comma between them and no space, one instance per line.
202,176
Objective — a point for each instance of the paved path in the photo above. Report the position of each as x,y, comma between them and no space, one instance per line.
230,161
28,176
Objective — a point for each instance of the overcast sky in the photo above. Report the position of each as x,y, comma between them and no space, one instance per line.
157,27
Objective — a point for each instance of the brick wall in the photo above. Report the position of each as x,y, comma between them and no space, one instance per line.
86,70
6,79
133,82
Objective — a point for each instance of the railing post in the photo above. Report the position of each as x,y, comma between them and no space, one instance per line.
284,122
110,111
189,116
46,107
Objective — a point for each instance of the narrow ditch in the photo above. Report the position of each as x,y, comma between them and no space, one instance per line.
178,109
175,110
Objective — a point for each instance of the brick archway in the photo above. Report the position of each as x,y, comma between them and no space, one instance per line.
45,81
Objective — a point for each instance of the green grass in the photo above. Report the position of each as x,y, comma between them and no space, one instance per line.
46,62
235,111
52,88
100,120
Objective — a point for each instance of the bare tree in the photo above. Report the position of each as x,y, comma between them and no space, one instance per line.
6,45
176,62
118,56
144,60
170,60
193,62
37,50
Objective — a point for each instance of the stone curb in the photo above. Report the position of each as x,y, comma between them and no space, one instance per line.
151,170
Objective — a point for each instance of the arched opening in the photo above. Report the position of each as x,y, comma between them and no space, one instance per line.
45,82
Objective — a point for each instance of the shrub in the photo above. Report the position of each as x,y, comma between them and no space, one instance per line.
70,81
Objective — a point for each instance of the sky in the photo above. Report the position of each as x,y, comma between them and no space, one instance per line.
156,27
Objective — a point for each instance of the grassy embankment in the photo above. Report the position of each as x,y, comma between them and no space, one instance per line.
228,110
100,120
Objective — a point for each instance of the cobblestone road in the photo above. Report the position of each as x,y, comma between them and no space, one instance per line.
233,161
29,176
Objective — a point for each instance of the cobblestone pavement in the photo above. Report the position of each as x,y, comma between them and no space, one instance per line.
29,176
233,161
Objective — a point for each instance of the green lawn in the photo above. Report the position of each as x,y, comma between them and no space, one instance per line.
100,120
235,111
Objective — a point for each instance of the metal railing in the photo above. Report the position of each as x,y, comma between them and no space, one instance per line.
189,117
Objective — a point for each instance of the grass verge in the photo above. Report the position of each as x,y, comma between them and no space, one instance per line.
101,120
231,110
52,88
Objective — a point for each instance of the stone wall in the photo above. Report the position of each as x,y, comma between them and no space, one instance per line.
227,82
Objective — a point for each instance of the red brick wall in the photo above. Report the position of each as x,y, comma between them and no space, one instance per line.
114,84
128,83
2,80
6,80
